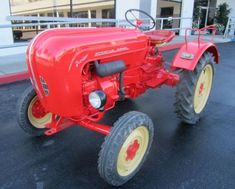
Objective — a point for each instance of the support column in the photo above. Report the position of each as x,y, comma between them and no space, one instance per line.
123,5
6,36
153,9
186,12
98,13
39,27
149,6
89,17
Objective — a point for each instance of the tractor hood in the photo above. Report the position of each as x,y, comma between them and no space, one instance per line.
56,58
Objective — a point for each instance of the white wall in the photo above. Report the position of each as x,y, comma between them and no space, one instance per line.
149,6
145,5
123,5
6,37
186,11
154,8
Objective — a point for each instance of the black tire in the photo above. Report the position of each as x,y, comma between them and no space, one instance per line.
108,156
22,113
186,89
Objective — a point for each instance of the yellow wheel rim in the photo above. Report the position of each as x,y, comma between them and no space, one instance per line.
37,115
132,151
203,88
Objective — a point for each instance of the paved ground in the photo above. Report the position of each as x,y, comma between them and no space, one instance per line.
181,157
12,64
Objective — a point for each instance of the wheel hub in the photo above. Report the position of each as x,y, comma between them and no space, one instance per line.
131,150
37,114
38,110
201,88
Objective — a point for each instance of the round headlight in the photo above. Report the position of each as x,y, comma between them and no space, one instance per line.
97,99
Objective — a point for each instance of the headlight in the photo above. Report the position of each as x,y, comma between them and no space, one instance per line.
97,99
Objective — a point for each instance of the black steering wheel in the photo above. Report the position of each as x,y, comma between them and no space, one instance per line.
140,19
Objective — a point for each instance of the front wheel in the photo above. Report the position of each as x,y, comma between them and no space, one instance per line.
193,91
125,148
31,115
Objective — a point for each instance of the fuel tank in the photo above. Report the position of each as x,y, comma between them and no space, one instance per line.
56,59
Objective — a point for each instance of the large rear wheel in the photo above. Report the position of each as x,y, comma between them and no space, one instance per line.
32,117
193,91
125,148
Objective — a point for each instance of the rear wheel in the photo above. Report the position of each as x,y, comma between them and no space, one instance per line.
193,91
125,148
32,117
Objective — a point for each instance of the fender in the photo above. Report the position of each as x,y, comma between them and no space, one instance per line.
191,52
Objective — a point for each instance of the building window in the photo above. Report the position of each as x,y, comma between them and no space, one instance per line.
93,14
108,13
167,12
168,8
61,14
80,14
204,12
68,14
50,14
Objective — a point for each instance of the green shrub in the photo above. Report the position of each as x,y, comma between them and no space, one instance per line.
222,14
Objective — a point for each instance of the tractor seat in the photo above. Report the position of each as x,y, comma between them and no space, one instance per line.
160,37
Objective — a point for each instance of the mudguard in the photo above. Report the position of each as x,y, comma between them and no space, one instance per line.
191,52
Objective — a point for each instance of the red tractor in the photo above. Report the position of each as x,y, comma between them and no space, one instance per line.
80,73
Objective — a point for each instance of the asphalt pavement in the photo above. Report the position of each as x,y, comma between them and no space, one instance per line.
181,157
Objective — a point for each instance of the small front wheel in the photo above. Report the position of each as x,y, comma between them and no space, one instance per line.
31,115
125,148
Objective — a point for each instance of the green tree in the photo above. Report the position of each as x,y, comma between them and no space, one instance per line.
222,14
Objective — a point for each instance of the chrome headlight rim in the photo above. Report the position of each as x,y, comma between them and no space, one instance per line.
97,99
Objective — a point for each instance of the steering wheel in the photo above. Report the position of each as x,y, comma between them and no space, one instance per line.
132,15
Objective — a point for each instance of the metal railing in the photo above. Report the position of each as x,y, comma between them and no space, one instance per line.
27,21
36,24
32,21
172,22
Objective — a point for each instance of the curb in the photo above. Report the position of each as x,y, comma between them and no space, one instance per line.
9,78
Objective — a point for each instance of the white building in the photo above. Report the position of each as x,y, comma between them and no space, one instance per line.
109,9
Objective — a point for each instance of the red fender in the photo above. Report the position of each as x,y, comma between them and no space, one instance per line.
191,52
